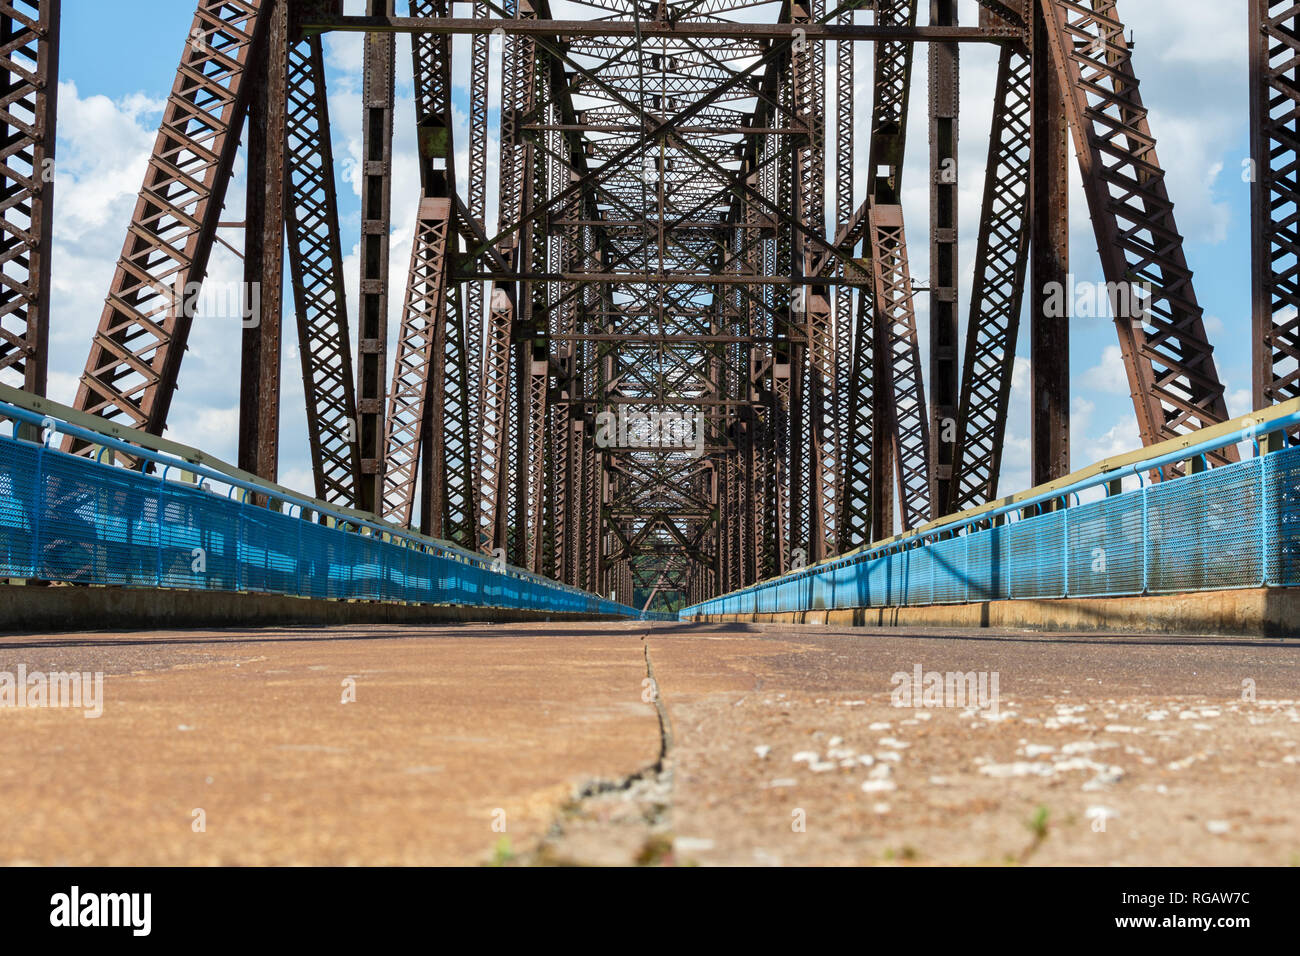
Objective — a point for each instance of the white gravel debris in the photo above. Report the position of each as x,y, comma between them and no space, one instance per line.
1218,827
1158,715
879,725
882,772
1107,778
878,786
1020,768
805,756
1087,746
1118,729
1035,750
893,742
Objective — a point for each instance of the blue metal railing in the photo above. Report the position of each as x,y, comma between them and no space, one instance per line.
1233,526
69,518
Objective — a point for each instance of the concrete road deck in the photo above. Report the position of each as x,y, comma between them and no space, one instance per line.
764,744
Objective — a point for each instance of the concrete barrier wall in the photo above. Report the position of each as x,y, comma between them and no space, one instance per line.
60,608
1251,612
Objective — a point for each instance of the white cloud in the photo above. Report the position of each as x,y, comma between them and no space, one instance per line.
1109,374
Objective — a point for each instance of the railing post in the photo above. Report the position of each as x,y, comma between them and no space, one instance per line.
1146,539
1263,522
38,510
158,531
1065,546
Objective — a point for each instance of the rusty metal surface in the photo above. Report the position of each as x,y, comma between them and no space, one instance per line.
376,221
264,221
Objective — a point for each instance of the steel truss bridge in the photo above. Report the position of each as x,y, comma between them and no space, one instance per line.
677,230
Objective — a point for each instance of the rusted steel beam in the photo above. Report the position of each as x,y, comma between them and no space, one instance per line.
658,29
1049,225
264,224
944,111
376,220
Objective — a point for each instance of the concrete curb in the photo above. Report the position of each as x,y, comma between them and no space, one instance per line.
1251,612
41,609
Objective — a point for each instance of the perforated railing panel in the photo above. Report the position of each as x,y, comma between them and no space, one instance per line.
66,518
1234,526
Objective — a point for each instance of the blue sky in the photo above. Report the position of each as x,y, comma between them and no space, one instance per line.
1190,56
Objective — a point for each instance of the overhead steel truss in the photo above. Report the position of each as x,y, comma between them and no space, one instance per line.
682,352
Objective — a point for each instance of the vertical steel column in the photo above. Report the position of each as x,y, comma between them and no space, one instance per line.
1049,229
944,109
376,219
29,79
259,380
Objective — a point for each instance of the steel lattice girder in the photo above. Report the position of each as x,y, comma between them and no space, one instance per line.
1001,255
134,359
1170,363
29,45
896,312
316,268
413,398
1275,198
867,496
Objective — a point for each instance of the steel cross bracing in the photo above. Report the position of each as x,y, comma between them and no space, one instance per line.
316,270
678,239
1001,255
136,352
29,32
1169,360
